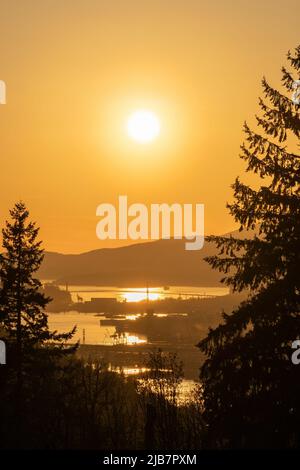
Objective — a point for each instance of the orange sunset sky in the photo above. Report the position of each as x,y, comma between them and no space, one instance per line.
74,72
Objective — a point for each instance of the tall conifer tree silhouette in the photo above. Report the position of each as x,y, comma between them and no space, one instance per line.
22,301
251,388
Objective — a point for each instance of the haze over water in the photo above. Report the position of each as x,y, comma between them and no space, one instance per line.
135,294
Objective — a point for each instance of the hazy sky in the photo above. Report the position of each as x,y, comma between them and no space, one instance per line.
76,69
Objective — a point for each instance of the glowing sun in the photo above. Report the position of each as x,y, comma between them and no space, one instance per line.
143,126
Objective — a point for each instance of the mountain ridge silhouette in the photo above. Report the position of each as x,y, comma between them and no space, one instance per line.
160,262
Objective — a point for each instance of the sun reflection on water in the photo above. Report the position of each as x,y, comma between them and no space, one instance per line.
133,316
125,338
132,339
139,295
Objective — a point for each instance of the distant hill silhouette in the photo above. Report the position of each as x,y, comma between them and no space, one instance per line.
158,263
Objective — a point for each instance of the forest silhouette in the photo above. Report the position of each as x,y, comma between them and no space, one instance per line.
248,395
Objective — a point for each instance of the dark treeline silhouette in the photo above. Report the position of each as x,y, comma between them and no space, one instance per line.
77,405
249,394
251,387
50,399
31,348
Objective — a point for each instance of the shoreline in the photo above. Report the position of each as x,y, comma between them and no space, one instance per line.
135,355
